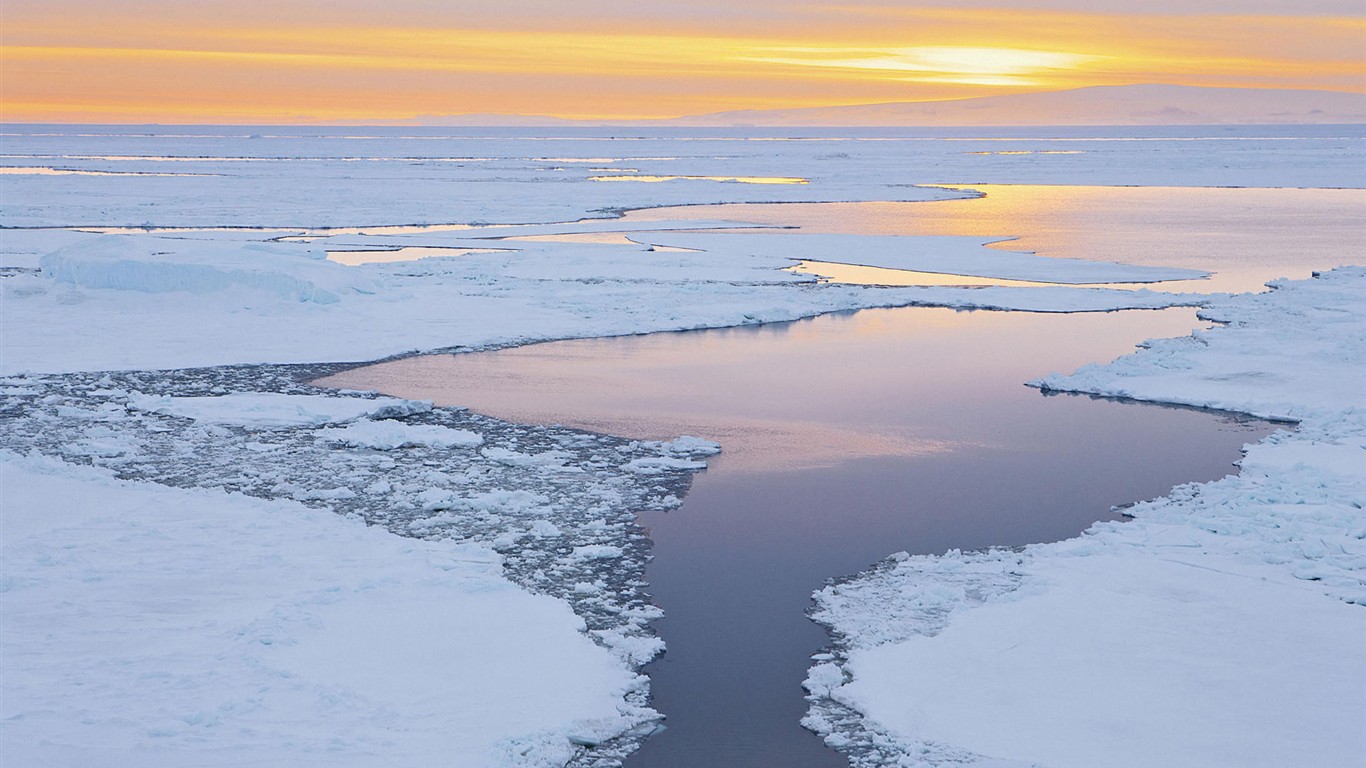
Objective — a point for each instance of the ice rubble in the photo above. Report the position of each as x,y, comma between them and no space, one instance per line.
550,509
1225,617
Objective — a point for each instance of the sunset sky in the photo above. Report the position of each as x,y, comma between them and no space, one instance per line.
287,61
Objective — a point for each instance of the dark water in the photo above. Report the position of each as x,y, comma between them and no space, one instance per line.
848,437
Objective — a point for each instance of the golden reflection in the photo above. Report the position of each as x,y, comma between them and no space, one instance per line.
410,253
848,273
779,396
1245,236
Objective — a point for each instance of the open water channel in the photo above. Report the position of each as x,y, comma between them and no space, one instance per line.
847,438
853,436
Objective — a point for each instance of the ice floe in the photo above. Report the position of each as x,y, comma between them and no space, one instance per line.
165,626
120,262
1226,616
154,302
387,435
270,410
240,469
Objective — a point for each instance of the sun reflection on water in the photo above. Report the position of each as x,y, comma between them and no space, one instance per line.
1245,236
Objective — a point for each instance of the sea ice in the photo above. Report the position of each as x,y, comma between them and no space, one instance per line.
387,434
537,522
121,262
160,626
120,303
1226,617
224,610
271,410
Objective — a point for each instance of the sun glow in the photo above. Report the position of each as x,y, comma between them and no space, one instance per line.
241,63
942,64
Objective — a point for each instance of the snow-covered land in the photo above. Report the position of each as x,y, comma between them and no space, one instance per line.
187,580
1223,625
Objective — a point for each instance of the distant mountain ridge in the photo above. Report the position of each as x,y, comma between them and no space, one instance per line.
1153,104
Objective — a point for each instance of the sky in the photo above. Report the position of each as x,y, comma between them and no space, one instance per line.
359,61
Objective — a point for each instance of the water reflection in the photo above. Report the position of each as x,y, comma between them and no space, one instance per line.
781,394
850,273
1245,236
410,253
847,437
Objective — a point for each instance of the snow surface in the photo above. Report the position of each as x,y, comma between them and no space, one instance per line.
146,301
285,270
267,410
386,435
155,626
312,177
220,611
533,502
1223,625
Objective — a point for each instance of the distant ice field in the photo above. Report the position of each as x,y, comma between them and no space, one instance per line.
308,176
130,255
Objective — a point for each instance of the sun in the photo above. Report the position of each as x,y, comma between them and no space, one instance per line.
938,64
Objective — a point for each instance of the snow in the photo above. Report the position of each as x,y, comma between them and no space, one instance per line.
1116,649
651,466
308,579
289,270
1285,354
410,472
221,294
268,410
345,177
158,626
1226,617
116,305
387,435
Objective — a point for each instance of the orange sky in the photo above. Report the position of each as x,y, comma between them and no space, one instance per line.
350,61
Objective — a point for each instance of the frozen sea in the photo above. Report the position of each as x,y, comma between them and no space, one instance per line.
168,294
842,435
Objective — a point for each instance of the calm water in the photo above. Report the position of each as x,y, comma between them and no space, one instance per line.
1244,236
848,437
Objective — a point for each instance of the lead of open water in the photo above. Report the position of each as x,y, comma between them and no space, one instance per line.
846,438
